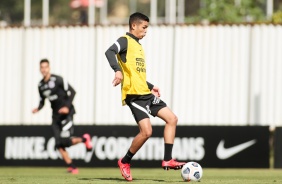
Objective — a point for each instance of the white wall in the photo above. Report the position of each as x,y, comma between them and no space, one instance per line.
208,75
211,74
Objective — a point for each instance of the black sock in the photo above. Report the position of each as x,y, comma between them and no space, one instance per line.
71,165
127,158
167,152
83,139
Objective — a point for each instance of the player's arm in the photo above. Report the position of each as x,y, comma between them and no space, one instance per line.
41,102
70,95
119,46
150,86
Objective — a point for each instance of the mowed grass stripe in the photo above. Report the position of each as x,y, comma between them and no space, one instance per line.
58,175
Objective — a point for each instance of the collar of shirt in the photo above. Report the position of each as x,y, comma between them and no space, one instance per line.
132,36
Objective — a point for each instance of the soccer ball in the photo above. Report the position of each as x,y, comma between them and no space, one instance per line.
192,171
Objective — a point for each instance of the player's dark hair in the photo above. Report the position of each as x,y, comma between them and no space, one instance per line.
44,61
136,18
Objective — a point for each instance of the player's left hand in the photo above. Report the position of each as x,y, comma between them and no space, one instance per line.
64,110
156,91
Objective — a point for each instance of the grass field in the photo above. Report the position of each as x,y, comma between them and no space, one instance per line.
57,175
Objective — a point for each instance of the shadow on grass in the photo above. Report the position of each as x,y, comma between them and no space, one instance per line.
122,180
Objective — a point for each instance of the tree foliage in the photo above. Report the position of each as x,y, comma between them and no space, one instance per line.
227,11
213,11
12,12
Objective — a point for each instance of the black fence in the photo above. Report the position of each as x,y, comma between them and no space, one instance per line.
211,146
278,148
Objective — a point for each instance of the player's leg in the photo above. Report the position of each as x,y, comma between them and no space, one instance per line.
145,131
86,139
141,115
68,130
169,134
62,141
170,127
71,167
160,109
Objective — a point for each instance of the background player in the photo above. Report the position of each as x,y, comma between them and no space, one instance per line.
141,96
60,95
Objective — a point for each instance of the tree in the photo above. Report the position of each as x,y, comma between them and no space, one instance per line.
232,11
12,12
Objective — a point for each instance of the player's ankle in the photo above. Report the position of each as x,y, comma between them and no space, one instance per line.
71,165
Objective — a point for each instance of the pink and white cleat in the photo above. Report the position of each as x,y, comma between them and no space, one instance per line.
72,170
88,143
172,164
125,170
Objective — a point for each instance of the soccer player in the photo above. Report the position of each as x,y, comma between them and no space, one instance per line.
60,95
141,96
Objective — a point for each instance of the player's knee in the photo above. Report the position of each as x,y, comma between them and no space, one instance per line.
58,145
147,133
173,120
63,142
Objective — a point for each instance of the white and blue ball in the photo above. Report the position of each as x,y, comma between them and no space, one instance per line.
192,171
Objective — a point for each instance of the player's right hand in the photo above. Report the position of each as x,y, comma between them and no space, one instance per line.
64,110
35,110
118,78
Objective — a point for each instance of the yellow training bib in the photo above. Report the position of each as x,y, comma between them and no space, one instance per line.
134,70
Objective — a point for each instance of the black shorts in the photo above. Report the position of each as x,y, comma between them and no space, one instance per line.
63,129
143,105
